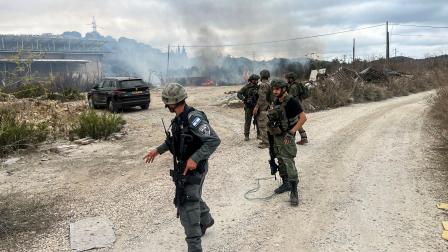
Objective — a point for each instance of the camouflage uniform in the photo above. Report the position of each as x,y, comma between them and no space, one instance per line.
193,211
283,117
285,153
298,91
249,95
263,104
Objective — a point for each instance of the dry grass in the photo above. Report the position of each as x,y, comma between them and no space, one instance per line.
15,134
419,75
439,113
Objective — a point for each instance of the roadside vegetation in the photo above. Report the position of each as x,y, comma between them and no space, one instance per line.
97,125
34,109
439,114
15,134
343,84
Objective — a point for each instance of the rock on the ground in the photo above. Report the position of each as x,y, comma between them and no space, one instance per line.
91,233
84,141
11,161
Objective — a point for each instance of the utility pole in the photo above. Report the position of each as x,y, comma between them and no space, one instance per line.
93,25
353,60
167,65
395,52
387,40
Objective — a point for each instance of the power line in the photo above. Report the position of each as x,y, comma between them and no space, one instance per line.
423,26
284,40
407,35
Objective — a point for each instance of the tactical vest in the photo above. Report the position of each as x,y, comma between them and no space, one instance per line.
279,123
182,134
251,96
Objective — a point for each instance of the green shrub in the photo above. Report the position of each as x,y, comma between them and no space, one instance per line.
69,94
97,126
30,90
18,135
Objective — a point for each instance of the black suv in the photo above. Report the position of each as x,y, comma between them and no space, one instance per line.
117,93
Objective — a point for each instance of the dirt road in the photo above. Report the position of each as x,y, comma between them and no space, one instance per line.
366,184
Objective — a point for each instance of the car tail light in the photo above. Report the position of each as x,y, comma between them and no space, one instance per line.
119,93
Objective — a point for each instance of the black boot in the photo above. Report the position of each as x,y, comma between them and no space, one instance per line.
246,137
285,187
205,226
294,196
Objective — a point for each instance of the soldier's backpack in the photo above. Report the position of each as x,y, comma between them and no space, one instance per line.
304,91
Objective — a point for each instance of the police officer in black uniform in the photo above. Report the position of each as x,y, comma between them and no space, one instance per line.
191,141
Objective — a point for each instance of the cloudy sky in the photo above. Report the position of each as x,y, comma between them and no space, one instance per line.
232,22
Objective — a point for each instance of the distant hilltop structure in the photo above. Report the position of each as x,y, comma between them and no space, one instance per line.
52,54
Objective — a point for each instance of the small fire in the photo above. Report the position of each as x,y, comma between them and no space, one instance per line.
208,83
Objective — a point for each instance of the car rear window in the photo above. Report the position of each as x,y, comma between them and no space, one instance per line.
132,84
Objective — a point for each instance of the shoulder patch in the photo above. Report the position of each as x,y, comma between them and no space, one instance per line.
195,122
205,130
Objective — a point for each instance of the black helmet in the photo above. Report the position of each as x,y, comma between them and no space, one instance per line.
254,77
278,84
291,75
264,74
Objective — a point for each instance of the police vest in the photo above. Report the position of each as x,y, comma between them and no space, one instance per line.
185,143
279,123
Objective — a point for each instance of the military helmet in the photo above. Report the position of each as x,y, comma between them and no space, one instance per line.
254,77
278,84
173,93
291,75
264,74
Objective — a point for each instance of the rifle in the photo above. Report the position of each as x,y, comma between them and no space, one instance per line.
254,122
272,164
178,168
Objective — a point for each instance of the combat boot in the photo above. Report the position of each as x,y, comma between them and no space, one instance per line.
263,145
204,227
284,187
294,196
246,137
302,141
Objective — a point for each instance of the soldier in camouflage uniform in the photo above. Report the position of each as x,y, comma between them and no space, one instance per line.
249,95
300,92
190,127
263,105
285,118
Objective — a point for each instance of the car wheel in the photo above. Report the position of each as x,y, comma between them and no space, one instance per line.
144,107
112,106
92,104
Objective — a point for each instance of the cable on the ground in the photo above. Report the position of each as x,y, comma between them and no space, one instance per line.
256,190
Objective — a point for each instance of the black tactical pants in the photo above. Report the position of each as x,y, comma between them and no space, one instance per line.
193,212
